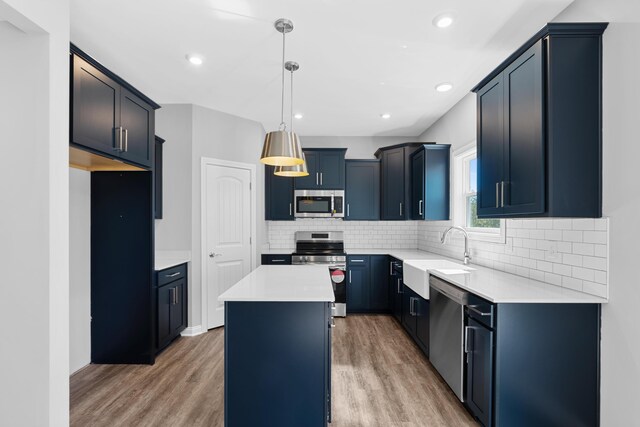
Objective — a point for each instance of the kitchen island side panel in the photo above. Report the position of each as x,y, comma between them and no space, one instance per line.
276,367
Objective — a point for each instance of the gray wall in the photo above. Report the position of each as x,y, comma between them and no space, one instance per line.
34,219
359,147
79,269
193,132
620,369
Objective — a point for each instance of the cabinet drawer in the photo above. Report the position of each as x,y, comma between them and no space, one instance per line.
172,274
481,310
358,260
276,259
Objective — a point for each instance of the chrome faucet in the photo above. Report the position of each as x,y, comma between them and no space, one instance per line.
467,255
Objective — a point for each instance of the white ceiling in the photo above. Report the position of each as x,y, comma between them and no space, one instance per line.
358,58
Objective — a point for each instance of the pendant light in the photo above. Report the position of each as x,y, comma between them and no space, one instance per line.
296,170
282,148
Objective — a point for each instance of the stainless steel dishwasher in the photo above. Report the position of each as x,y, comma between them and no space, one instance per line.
446,332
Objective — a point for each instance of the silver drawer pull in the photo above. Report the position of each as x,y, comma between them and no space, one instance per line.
475,310
357,260
172,275
277,260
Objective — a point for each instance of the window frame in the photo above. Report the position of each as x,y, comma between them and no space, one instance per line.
461,170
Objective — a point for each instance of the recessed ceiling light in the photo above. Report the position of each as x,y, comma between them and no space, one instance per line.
297,115
443,21
385,115
444,87
195,59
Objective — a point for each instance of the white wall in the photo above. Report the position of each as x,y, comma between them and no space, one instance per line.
79,269
198,132
620,365
359,147
34,256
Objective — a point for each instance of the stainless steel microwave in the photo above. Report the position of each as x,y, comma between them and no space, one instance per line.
319,203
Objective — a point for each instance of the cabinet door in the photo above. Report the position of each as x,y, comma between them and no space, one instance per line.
422,324
379,289
157,177
437,183
137,121
408,306
96,109
395,285
393,184
358,288
331,169
278,196
490,146
362,190
165,299
525,166
311,182
479,349
178,312
417,185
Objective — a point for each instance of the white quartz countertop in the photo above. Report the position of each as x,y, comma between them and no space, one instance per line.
292,283
168,259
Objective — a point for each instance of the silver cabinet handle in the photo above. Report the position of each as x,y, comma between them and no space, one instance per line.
126,140
357,260
411,306
290,209
475,310
400,208
120,138
349,276
175,292
320,179
400,286
420,207
317,178
277,260
497,194
502,194
333,322
172,275
173,296
390,268
467,330
348,211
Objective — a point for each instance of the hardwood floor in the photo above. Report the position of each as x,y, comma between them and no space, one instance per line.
379,378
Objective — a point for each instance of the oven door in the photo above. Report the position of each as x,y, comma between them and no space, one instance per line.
314,204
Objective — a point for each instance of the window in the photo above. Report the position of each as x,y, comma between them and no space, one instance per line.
466,198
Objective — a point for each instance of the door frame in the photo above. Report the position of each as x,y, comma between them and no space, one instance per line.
204,289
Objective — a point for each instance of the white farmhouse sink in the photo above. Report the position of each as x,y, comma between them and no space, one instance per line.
416,273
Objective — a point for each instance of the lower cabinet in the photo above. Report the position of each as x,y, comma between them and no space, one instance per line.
276,259
171,305
367,286
546,352
415,317
395,288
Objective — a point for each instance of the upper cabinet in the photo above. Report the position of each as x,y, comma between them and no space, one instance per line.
326,169
109,117
362,191
430,170
157,176
396,180
539,127
278,196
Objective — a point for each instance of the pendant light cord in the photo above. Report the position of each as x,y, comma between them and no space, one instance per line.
283,125
291,104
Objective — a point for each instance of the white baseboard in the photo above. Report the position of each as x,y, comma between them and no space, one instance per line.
192,331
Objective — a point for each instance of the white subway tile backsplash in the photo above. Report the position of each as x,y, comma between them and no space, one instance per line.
572,253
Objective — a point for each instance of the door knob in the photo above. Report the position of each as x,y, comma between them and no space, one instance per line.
213,254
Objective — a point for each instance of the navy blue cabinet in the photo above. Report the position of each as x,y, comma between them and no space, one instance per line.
479,350
171,304
276,259
157,177
430,187
278,198
539,127
108,116
396,180
362,191
326,167
367,284
415,317
395,288
277,364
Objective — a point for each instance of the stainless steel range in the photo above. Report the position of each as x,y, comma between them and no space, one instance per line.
325,248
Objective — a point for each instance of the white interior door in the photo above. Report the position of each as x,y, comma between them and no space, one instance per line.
227,233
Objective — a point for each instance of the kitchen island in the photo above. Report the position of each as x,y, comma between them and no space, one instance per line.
278,347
